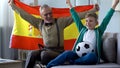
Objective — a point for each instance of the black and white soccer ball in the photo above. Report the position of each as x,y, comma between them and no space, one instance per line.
83,48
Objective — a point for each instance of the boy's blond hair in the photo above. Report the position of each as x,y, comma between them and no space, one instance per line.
92,15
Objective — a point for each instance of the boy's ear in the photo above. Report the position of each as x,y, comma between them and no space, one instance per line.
96,22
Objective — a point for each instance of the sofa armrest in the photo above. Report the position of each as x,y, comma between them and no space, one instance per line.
109,50
118,48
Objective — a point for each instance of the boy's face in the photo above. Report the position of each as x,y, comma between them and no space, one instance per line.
91,22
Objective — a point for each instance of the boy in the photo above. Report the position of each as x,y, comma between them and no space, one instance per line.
89,34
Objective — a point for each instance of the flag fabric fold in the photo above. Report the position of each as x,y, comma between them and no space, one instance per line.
25,36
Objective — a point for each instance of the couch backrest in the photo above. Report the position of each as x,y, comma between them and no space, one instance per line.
111,47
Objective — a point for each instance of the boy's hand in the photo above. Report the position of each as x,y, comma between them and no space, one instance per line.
115,3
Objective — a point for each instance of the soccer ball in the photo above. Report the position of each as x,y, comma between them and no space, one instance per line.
83,48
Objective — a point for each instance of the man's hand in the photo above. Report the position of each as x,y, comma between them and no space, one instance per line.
10,2
69,3
96,6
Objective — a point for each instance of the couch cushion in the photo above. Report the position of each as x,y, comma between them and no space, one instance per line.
105,65
109,52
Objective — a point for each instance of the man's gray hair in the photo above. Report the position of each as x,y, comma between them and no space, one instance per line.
44,6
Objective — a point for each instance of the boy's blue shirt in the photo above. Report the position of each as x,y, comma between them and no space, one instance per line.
99,30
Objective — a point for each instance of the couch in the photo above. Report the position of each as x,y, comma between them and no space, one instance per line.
110,53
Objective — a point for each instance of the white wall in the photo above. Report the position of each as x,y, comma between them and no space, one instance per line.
6,23
55,3
1,12
114,25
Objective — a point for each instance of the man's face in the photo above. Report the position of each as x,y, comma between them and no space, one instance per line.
91,22
46,14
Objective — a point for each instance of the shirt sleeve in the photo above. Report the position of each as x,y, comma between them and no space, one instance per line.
28,17
77,19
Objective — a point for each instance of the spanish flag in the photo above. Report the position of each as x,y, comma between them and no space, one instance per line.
25,36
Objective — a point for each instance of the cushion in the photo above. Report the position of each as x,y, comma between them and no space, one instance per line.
109,50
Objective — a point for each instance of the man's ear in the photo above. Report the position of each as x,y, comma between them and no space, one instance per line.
41,15
97,24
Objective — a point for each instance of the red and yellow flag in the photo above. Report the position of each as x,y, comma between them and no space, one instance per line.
25,36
